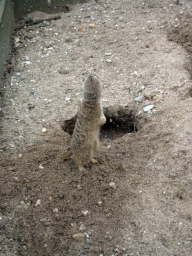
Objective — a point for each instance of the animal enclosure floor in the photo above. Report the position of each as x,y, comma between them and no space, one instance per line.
138,199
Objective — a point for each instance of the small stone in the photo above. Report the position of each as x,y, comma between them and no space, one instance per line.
17,39
147,108
82,227
24,63
55,210
44,130
42,30
139,99
43,220
120,18
29,36
92,25
38,202
85,213
80,237
79,187
108,61
99,203
112,185
80,29
63,71
16,178
67,99
108,54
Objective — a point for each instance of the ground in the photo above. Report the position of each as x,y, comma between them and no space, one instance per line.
137,200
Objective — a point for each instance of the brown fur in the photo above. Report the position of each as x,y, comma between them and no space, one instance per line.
85,138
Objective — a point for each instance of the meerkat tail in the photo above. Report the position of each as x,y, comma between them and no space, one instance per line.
66,156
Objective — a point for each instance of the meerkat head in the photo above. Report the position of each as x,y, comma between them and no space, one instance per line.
92,88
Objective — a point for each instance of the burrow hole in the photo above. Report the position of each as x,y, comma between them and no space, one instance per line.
120,121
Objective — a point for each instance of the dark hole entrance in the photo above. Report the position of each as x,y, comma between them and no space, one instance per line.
120,121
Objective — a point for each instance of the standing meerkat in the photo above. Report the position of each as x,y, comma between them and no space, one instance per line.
90,117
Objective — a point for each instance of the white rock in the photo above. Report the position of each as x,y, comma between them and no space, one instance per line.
82,227
55,210
108,61
44,130
147,108
17,39
80,237
112,185
25,63
41,167
85,213
108,54
38,202
139,99
68,99
99,203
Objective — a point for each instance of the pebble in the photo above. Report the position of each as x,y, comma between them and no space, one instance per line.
41,167
112,185
147,108
55,210
17,39
80,237
29,36
80,29
44,130
38,202
108,54
99,203
92,25
63,71
139,99
79,187
82,227
25,63
85,213
68,99
43,220
108,61
120,18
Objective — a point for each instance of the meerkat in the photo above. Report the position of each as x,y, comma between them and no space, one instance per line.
90,117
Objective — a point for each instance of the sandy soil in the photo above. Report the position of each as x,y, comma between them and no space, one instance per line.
138,199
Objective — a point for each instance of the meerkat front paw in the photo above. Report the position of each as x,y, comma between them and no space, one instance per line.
103,120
